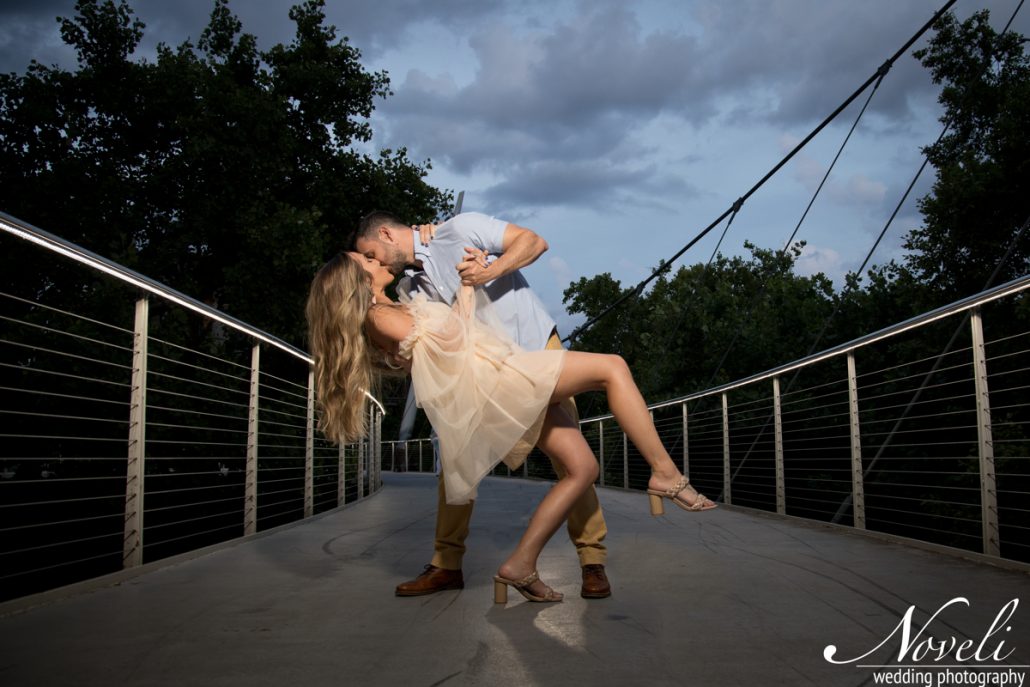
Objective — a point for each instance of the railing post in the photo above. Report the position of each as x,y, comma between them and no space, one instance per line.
309,450
373,454
251,471
363,445
132,543
420,443
726,496
781,481
625,462
857,483
988,481
686,452
341,475
377,470
600,448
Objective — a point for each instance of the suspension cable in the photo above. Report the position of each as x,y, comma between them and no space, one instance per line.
883,69
840,301
786,246
951,343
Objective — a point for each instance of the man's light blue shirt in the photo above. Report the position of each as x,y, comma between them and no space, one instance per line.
520,310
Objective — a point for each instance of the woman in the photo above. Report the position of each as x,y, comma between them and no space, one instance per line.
487,399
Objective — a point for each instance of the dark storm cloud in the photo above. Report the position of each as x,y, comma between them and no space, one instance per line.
553,112
559,104
552,183
574,76
369,26
28,28
811,55
578,92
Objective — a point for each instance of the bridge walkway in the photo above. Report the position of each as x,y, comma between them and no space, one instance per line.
728,597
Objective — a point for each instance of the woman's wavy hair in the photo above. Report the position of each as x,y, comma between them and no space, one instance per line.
346,361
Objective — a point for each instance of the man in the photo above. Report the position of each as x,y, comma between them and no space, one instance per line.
461,243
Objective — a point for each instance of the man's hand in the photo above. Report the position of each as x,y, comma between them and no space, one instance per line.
473,268
425,232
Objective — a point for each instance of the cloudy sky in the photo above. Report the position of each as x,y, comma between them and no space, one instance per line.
618,130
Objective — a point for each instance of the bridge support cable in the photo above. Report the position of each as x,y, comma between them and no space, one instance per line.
883,69
840,300
962,325
637,290
876,244
787,244
894,214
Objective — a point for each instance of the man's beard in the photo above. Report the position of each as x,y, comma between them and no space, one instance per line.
397,262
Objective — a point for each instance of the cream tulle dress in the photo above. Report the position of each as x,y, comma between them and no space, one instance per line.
485,396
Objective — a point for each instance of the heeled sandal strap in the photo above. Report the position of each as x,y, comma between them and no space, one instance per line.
551,595
699,503
680,486
528,579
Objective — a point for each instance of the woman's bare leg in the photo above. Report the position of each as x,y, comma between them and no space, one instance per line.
609,373
560,439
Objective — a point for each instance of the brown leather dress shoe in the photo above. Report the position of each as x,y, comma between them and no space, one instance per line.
432,580
595,582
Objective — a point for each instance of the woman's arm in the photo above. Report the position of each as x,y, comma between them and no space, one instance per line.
388,325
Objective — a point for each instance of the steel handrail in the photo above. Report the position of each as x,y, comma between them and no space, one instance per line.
996,293
54,243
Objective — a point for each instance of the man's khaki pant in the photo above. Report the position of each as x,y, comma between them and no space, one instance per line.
586,525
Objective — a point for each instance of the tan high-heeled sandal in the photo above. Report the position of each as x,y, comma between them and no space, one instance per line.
701,503
501,585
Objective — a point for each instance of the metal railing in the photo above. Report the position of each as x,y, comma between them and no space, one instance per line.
139,423
920,430
135,428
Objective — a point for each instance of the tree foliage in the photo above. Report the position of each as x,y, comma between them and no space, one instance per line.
223,171
703,326
979,199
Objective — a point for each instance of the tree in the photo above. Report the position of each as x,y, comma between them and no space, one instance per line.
222,171
978,201
226,173
706,325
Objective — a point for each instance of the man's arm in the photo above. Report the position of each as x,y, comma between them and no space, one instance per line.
521,247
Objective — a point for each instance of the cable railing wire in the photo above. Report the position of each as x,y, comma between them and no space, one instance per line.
64,387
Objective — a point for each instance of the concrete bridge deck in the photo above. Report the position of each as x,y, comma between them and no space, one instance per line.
727,597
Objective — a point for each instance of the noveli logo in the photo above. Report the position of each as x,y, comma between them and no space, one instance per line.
928,657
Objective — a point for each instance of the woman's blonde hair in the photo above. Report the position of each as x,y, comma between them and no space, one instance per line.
345,359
